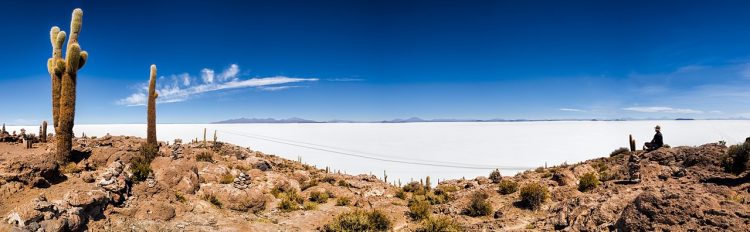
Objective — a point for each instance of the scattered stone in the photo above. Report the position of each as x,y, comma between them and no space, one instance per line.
264,166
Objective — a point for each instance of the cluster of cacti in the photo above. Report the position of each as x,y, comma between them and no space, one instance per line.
152,95
63,73
43,132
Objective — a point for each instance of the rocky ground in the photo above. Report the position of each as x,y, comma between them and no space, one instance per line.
221,187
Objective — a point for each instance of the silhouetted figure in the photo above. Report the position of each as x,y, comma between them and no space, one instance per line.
655,143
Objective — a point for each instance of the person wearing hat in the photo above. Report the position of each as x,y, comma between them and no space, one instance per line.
655,143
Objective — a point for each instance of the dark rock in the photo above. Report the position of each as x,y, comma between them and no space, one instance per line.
263,166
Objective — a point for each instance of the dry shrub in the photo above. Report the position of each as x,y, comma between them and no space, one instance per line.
534,195
359,220
479,205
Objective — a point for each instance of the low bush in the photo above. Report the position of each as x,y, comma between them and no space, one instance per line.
310,205
588,182
618,151
343,201
140,168
211,198
447,188
308,184
401,194
358,220
495,176
288,205
479,205
413,187
282,187
328,179
319,197
148,151
227,178
533,195
439,224
343,183
507,187
434,198
204,156
419,208
735,159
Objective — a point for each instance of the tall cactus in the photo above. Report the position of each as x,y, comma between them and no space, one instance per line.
152,95
64,73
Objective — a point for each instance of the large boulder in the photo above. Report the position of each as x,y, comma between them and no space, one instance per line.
180,175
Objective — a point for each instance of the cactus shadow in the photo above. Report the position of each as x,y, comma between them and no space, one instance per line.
76,155
729,181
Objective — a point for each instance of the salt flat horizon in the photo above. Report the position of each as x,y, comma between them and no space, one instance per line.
441,150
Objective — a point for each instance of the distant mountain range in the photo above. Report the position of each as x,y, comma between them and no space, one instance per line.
416,119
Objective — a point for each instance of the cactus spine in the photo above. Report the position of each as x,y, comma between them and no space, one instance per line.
64,73
151,117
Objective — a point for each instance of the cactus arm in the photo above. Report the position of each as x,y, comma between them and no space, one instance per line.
73,57
57,46
51,67
75,26
53,38
82,60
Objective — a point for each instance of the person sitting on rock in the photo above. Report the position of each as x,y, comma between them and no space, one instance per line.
655,143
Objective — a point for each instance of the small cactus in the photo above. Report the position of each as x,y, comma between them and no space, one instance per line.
204,137
385,177
632,143
43,132
427,183
151,117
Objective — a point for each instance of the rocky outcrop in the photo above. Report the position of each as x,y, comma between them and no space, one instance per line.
70,214
666,210
38,171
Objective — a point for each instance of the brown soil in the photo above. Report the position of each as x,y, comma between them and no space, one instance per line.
682,189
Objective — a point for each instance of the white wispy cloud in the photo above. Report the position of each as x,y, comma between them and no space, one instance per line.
572,110
277,88
662,109
178,88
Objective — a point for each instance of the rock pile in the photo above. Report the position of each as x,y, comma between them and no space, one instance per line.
116,181
242,181
177,149
634,168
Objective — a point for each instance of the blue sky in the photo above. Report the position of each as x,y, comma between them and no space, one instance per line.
375,60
